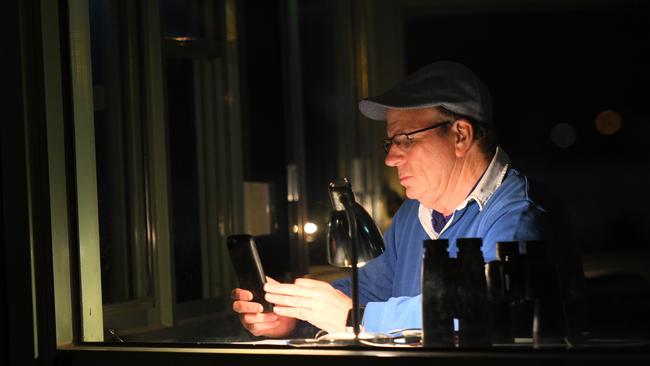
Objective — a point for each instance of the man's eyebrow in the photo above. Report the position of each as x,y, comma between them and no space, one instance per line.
398,131
403,131
393,135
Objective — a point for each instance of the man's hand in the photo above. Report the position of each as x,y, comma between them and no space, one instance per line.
314,301
258,323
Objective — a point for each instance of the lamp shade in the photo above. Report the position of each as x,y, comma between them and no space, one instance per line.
370,242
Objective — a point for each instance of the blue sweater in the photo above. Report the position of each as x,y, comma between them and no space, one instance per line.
390,285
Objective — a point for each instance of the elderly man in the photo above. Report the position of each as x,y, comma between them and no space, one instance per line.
459,184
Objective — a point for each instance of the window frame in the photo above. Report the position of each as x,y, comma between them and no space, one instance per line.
161,310
80,352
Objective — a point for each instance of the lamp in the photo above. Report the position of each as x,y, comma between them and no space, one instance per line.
353,238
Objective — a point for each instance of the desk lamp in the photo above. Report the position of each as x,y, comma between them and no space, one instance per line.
353,238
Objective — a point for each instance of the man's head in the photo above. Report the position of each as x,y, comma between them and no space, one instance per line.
439,130
451,87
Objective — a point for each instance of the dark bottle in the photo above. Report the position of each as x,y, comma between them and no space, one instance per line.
512,268
541,288
499,313
513,288
471,294
437,302
534,270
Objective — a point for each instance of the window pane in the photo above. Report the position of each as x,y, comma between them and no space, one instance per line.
184,179
120,174
184,18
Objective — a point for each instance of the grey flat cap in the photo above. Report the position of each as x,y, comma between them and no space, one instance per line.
443,83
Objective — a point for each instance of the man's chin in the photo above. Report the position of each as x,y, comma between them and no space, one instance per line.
410,194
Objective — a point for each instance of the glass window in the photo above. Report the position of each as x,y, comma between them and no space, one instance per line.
184,18
196,138
119,150
184,179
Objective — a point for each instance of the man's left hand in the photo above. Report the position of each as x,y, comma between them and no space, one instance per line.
316,302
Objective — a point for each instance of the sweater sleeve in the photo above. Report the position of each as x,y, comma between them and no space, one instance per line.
396,313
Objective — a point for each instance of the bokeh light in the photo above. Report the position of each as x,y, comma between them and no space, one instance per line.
310,228
563,135
608,122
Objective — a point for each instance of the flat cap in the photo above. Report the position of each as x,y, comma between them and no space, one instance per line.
440,84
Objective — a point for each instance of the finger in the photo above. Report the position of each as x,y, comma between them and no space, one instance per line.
247,307
271,280
289,289
293,301
258,328
256,318
298,313
241,294
310,283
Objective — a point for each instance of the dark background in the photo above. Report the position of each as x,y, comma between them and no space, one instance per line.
549,67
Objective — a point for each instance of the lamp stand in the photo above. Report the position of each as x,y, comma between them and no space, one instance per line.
352,221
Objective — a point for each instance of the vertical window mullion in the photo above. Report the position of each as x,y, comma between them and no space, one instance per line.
86,177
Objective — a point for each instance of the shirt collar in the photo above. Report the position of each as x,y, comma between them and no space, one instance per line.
490,181
486,186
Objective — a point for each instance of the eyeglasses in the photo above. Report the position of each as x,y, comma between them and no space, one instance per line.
404,141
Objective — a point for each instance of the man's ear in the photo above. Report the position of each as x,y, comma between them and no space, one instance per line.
464,136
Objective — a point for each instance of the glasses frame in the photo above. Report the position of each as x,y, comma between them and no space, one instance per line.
389,142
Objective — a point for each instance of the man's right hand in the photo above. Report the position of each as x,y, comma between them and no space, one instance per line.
257,322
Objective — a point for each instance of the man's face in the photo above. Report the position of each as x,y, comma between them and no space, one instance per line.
425,168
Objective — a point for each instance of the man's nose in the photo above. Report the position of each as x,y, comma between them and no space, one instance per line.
394,157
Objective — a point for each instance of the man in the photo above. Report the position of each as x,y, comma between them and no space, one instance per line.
459,184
